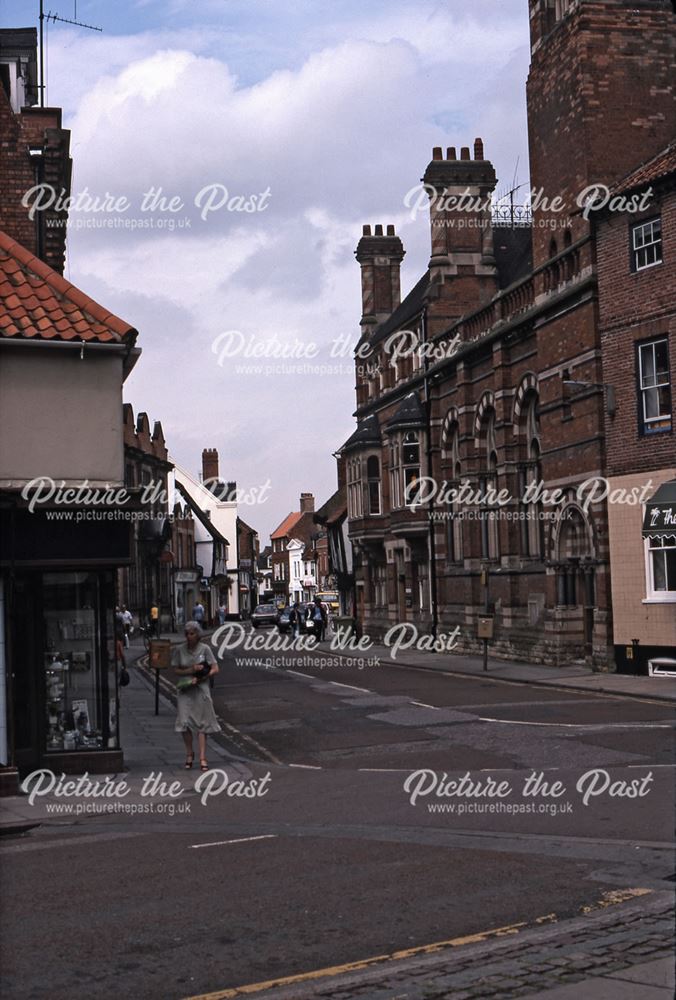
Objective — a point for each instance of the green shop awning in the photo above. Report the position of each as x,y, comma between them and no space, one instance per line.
660,512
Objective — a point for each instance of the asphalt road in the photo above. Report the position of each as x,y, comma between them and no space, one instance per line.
335,862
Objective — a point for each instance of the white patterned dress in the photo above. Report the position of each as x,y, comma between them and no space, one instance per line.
194,704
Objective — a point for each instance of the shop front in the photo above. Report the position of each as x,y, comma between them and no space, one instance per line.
61,668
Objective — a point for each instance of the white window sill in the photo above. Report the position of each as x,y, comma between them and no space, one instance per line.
669,598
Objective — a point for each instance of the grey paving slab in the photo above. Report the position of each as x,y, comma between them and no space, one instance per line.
603,988
659,973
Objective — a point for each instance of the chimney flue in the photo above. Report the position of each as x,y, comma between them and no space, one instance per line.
464,153
478,149
307,503
437,153
209,464
451,153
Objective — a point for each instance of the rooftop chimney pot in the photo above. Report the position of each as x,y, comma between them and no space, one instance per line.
437,153
390,231
379,231
464,153
366,231
451,154
478,149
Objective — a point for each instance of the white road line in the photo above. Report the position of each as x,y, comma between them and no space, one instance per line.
386,770
307,767
422,704
240,840
579,725
299,674
351,687
649,765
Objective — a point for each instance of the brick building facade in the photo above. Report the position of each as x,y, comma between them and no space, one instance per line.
488,376
637,310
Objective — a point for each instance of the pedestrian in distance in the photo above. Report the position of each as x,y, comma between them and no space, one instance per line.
154,619
195,664
319,617
198,613
221,614
295,619
127,619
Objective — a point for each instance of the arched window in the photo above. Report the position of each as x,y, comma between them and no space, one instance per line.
373,485
530,476
488,484
410,461
454,530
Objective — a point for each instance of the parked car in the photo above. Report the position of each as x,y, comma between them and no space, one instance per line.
264,614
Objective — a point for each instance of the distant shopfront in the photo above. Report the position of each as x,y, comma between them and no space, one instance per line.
643,573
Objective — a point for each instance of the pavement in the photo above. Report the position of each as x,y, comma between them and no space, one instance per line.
623,952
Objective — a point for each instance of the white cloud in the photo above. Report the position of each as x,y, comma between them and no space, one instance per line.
339,130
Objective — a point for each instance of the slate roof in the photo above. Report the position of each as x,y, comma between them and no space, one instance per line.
366,434
334,508
37,303
408,414
409,308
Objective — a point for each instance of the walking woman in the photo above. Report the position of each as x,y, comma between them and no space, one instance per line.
194,663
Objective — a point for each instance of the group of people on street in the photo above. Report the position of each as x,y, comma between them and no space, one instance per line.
318,613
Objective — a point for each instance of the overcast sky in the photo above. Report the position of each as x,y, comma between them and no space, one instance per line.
321,114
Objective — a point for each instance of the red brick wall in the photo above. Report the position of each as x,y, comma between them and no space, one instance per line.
34,127
601,100
635,306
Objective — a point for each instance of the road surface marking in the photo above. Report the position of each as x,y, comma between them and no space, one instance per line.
240,840
422,704
307,767
610,898
351,687
580,725
299,674
386,770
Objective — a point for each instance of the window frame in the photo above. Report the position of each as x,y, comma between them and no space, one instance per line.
658,243
644,422
654,596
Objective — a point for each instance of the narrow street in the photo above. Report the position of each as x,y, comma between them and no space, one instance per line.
333,864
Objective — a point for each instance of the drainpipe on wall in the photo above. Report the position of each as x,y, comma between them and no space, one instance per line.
431,541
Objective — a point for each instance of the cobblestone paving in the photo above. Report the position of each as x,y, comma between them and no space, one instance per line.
530,962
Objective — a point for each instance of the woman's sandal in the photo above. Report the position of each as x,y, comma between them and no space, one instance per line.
204,766
188,761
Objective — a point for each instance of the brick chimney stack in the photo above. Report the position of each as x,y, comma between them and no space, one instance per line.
462,258
379,255
307,503
209,464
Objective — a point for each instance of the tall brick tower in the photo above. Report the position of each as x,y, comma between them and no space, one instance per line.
601,98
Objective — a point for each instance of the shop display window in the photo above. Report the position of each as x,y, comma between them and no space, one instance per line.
79,688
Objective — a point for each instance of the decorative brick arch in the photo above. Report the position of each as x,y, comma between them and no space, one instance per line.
528,383
452,417
571,507
487,402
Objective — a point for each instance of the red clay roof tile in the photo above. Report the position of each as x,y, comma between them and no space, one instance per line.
35,301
